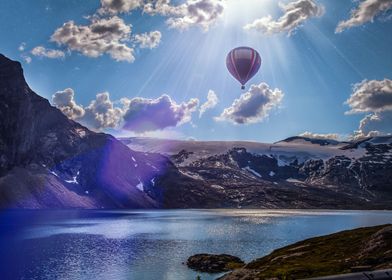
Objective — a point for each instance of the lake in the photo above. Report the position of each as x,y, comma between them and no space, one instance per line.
93,244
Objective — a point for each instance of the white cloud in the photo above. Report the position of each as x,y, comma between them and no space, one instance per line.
295,14
371,96
375,98
22,47
65,102
212,100
102,35
101,113
114,7
366,11
26,58
144,114
374,125
252,106
307,134
202,13
140,115
49,53
148,40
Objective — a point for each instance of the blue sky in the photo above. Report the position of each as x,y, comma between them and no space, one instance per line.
314,67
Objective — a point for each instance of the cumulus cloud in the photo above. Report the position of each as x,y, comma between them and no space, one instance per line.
212,100
307,134
114,7
374,125
102,35
101,113
295,14
371,96
138,114
366,11
202,13
252,106
145,114
49,53
148,40
65,102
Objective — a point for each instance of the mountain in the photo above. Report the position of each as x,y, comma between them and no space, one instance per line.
297,172
361,249
50,161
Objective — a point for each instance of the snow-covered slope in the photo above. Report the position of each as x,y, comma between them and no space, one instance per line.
286,151
295,172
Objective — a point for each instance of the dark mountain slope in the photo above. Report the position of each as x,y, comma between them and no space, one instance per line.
47,160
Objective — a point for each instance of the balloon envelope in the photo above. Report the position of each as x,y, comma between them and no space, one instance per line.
243,63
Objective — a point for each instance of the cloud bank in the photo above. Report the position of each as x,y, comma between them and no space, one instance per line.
307,134
101,36
144,114
366,11
375,98
137,114
295,13
252,106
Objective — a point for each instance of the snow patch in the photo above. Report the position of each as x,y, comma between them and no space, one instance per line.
74,179
247,168
272,174
54,173
140,186
218,187
292,180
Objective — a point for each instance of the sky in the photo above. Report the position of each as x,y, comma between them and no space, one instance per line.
158,68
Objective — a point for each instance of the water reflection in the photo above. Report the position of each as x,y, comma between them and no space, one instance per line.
152,244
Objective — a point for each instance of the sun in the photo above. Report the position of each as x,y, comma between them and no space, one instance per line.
242,12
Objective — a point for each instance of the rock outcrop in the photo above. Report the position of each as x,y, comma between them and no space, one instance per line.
214,263
343,252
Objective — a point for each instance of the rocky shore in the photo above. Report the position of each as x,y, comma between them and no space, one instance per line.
362,249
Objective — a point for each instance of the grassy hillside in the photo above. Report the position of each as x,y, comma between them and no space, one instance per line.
343,252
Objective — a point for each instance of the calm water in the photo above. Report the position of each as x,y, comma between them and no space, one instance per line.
152,244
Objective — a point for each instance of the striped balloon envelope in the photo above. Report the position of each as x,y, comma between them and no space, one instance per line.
243,63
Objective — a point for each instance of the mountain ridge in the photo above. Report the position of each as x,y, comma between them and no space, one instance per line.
50,161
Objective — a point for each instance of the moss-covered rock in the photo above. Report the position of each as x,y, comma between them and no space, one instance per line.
343,252
214,263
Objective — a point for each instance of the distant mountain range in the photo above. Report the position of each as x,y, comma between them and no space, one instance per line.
49,161
297,172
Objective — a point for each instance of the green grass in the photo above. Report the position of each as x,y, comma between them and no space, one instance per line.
326,255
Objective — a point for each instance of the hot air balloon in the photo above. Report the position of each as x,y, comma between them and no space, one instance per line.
243,63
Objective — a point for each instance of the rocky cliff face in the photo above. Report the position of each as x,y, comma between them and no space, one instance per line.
47,160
